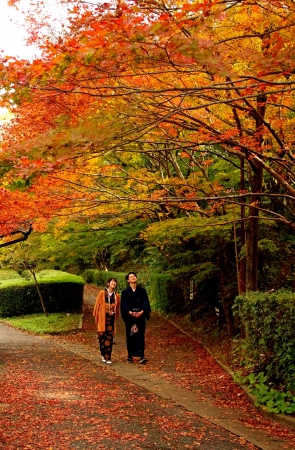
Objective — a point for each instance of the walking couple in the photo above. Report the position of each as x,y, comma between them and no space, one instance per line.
135,310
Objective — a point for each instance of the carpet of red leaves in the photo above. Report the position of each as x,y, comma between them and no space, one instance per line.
184,361
52,399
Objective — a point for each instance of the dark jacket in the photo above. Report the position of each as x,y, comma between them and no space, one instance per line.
134,301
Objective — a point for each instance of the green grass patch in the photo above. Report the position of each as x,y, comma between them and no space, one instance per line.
40,324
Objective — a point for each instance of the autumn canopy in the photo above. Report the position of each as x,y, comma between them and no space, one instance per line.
133,106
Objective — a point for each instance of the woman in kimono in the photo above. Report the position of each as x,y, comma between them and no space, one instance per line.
106,311
135,309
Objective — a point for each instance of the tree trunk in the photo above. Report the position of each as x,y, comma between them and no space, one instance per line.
227,308
28,267
242,262
252,228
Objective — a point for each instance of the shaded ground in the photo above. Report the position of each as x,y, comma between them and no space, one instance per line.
175,357
52,399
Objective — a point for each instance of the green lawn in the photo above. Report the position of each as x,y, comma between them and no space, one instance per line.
40,324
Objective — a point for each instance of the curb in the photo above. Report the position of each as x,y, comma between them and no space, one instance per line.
225,419
287,421
282,419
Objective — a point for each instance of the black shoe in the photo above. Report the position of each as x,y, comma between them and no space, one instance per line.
129,360
143,361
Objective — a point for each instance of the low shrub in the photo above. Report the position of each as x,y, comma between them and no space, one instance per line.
162,289
100,278
88,275
60,291
9,274
269,346
276,400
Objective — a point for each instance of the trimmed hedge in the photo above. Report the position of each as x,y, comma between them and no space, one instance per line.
160,292
9,274
269,321
100,278
160,287
61,291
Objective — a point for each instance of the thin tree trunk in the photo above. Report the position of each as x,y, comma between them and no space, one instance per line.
27,266
242,262
252,229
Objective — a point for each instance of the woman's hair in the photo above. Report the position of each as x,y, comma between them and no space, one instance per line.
110,279
130,273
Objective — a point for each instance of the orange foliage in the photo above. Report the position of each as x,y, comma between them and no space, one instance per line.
164,83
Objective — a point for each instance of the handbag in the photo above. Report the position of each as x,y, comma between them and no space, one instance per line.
134,330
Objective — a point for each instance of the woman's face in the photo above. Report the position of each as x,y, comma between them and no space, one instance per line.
113,284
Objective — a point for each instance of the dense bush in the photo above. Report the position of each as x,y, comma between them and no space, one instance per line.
161,288
163,291
9,274
158,291
60,291
269,321
269,346
100,278
88,275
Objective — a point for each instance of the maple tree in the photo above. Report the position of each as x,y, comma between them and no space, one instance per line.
135,101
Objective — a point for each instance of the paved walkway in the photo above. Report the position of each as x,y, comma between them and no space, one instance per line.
228,419
58,395
196,401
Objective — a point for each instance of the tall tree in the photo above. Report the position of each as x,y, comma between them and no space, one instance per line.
154,88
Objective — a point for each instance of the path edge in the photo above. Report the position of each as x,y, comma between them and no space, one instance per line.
287,421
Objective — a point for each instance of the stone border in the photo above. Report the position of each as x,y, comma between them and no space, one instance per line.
285,420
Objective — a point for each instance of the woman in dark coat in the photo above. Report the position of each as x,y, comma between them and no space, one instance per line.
135,309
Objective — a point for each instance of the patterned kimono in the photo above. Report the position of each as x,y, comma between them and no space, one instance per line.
106,310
